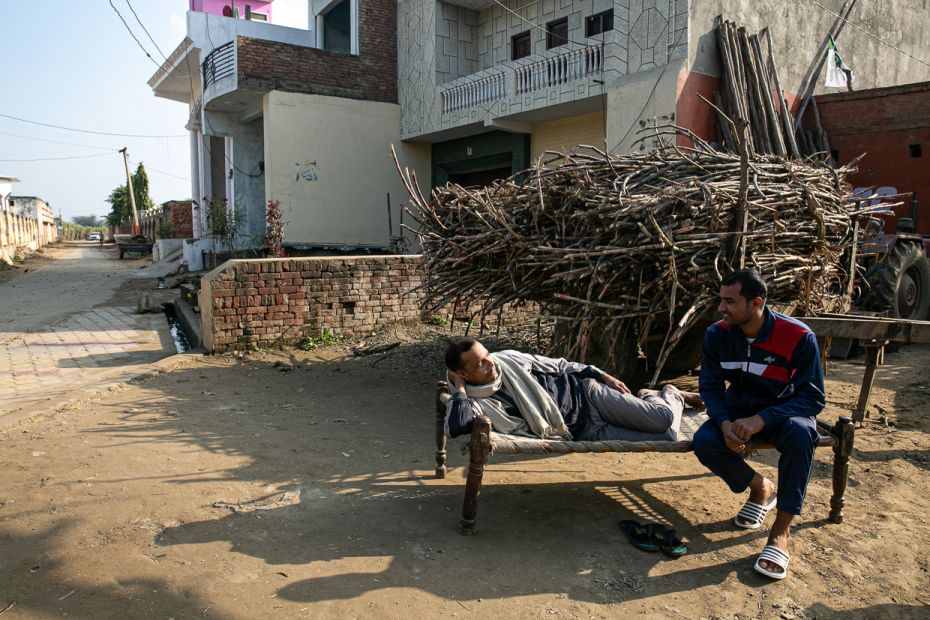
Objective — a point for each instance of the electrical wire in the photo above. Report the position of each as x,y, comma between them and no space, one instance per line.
147,168
59,158
88,146
145,30
99,133
866,32
132,34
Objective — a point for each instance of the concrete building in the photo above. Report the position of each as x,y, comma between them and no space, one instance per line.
491,85
35,208
6,189
304,117
891,127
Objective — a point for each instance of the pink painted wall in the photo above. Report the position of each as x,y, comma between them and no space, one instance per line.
215,7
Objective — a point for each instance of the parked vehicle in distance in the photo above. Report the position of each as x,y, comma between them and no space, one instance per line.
95,236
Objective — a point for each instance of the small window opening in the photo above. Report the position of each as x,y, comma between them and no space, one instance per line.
520,45
348,307
599,23
915,150
557,33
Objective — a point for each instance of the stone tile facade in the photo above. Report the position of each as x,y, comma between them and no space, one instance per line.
441,40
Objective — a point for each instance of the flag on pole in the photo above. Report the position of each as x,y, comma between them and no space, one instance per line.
839,75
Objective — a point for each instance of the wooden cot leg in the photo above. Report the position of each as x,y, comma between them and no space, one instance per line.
845,432
873,355
479,450
441,430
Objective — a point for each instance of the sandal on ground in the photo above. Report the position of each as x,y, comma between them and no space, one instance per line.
669,542
640,535
773,555
753,514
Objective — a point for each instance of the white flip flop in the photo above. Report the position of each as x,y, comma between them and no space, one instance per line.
773,555
754,513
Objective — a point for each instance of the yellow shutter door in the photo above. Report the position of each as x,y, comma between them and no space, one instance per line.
565,133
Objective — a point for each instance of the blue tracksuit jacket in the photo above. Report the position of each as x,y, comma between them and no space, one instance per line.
776,376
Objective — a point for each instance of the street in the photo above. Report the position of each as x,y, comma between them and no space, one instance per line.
68,326
300,484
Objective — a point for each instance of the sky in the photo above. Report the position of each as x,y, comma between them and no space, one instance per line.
74,64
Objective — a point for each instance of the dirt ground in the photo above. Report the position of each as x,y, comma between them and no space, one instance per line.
300,484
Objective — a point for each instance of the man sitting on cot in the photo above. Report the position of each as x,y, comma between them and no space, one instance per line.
772,365
532,395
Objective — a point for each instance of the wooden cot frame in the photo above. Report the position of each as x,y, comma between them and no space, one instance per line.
484,442
873,333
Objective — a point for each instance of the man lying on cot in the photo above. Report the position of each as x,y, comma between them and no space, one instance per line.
539,396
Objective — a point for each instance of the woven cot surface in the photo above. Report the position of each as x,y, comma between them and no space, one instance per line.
691,421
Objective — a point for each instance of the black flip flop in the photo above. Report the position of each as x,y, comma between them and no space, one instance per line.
668,541
640,535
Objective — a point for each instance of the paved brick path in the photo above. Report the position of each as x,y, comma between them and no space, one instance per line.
88,346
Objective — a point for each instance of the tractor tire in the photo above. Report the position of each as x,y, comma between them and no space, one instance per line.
900,283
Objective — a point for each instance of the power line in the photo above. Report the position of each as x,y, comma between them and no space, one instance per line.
99,133
147,168
89,146
129,30
58,158
874,36
144,29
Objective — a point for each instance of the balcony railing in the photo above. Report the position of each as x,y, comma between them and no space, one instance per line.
484,90
220,63
565,67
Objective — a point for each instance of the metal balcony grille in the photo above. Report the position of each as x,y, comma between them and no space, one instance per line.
220,63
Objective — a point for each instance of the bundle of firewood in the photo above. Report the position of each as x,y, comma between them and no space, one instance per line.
635,243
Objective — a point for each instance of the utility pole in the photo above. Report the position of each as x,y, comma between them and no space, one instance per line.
132,195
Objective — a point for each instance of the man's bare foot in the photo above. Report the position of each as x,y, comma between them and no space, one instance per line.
761,491
778,537
692,399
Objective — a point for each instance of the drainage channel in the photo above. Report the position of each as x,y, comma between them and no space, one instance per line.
181,343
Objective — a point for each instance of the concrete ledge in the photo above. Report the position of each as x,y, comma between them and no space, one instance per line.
189,322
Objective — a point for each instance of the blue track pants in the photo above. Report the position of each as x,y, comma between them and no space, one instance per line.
795,438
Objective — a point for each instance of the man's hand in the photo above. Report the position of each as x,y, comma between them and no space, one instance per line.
458,381
616,384
745,428
729,437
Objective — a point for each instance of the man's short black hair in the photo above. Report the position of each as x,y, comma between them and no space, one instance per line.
751,284
454,352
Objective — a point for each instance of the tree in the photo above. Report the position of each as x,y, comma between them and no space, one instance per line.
121,207
86,220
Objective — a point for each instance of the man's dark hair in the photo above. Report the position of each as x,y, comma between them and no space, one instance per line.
454,352
751,284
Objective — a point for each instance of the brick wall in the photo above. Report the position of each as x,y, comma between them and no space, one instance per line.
884,124
181,216
248,304
371,75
